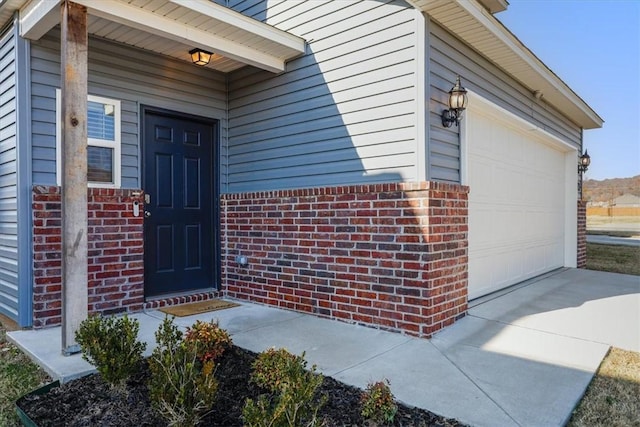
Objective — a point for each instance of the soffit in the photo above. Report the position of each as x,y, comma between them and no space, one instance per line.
173,27
477,27
8,8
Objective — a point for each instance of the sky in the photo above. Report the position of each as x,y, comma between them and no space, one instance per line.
594,47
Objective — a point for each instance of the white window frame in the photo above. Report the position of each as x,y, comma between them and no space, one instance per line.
115,144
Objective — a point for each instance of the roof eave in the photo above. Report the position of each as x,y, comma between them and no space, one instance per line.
505,50
254,43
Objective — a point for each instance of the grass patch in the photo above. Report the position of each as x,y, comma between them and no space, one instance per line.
18,375
612,397
613,258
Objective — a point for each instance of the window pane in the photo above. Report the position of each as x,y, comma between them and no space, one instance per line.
101,121
99,164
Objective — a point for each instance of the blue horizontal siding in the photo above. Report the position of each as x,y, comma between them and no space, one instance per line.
343,113
132,76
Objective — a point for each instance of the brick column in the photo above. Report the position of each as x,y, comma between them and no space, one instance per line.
582,234
392,256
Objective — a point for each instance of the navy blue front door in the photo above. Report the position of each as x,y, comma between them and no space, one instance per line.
179,183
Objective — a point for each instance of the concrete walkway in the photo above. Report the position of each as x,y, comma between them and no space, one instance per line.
523,358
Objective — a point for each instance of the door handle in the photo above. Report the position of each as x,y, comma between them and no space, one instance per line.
147,214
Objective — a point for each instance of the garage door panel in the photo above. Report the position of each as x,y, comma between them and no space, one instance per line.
507,182
515,266
516,205
554,253
482,223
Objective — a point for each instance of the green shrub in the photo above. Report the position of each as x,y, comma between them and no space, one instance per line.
292,401
182,386
212,341
111,345
378,404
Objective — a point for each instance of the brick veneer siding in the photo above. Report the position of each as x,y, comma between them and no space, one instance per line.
115,253
392,256
582,234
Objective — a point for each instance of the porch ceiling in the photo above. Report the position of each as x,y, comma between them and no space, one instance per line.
477,27
173,27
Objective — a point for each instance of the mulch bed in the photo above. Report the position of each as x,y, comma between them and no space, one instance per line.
90,402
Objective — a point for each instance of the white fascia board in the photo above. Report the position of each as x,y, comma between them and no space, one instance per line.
168,28
236,19
481,15
38,17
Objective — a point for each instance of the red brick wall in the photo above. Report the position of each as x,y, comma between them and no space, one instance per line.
582,233
115,253
393,256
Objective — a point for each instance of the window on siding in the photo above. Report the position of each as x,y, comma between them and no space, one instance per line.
103,141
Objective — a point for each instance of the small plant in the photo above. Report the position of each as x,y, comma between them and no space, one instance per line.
378,404
211,340
293,400
182,386
111,345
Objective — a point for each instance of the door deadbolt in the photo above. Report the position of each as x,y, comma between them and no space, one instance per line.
147,214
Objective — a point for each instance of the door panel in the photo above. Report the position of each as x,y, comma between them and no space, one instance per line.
516,205
179,179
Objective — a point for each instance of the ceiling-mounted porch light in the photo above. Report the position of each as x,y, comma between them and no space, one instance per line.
457,104
200,57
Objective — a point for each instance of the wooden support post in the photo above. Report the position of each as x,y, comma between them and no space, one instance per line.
74,42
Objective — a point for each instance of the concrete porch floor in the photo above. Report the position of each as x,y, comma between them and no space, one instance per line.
520,358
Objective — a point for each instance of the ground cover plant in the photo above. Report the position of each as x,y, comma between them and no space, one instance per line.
111,344
291,395
182,385
378,404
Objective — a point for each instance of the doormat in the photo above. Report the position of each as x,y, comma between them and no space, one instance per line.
197,307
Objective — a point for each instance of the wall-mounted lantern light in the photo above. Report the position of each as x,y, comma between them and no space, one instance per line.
457,104
583,162
200,57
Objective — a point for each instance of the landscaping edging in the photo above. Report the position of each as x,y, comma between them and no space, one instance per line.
24,418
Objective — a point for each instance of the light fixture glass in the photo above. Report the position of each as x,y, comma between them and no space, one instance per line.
458,97
200,57
584,162
457,104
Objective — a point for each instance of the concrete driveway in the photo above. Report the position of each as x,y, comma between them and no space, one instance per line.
521,358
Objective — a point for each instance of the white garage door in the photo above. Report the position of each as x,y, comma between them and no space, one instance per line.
517,200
